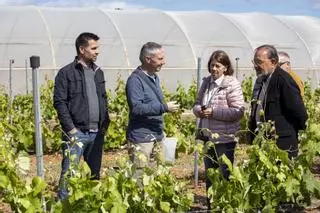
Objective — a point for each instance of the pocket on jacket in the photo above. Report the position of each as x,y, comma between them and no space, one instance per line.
283,127
272,107
76,85
102,87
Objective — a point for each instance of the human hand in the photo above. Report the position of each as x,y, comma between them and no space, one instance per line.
206,113
173,106
72,135
73,131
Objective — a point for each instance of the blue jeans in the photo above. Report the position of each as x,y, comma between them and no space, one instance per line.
82,146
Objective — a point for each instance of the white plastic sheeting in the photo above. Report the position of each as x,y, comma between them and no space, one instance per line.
51,32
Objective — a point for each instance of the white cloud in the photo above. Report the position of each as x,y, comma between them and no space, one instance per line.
16,2
316,6
95,3
73,3
121,4
60,3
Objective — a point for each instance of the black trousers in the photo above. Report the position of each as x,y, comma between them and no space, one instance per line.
289,144
212,159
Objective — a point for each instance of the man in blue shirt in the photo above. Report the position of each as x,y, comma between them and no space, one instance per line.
146,106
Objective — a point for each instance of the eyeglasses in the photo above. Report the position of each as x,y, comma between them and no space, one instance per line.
257,62
285,62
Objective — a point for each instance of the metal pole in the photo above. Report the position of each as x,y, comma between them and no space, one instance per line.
237,66
27,86
196,154
11,61
35,64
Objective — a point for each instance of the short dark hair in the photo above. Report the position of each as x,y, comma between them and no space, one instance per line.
272,52
147,49
223,58
83,38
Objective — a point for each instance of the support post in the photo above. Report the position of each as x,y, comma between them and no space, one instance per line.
237,67
27,83
11,61
196,154
10,111
35,64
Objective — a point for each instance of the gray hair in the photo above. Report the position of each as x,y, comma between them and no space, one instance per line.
149,48
283,57
271,52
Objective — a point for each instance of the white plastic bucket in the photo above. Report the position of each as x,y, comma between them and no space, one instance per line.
169,146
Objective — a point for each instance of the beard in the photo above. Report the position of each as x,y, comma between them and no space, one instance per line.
158,69
258,70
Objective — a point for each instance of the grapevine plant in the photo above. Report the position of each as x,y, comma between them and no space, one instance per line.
263,182
268,180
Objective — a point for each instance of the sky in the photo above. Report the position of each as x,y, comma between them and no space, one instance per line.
282,7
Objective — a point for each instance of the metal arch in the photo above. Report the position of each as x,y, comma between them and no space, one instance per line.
120,35
238,27
8,39
184,33
53,54
298,35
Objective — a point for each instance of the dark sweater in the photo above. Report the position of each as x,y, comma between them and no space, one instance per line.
146,108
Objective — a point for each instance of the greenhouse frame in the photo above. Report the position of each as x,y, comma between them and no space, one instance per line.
186,36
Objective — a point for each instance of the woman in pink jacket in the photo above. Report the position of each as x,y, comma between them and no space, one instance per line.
219,106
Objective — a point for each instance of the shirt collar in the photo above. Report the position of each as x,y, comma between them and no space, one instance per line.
153,77
217,81
93,65
267,77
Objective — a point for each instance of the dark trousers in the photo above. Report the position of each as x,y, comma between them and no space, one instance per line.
289,144
212,159
95,156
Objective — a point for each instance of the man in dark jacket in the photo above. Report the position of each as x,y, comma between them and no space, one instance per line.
81,103
146,106
279,98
